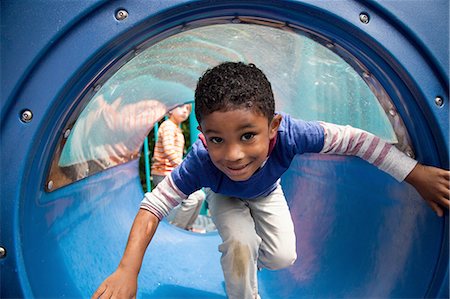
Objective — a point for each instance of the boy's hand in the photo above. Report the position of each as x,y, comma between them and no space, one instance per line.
121,284
433,184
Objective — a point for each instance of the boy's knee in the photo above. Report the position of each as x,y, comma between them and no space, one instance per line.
280,260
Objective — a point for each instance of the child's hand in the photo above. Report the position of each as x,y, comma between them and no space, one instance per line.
433,184
120,284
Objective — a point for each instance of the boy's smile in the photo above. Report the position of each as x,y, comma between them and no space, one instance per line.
238,140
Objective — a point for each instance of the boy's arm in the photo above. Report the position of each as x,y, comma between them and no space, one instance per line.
163,198
123,282
155,205
431,183
346,140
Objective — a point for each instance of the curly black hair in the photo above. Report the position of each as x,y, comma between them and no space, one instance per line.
233,85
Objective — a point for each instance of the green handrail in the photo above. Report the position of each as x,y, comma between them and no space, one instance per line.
147,165
147,159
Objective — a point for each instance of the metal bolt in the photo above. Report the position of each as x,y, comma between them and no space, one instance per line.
439,101
97,87
26,116
137,52
364,18
121,15
66,133
2,252
392,112
50,185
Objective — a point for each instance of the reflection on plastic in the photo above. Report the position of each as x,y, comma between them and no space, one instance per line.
105,135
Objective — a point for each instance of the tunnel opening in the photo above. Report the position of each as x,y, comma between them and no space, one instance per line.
310,82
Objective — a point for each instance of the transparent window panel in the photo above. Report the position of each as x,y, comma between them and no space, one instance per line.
309,80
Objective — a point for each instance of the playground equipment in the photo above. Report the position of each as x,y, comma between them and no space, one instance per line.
66,211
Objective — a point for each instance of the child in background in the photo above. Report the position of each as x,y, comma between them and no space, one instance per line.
244,150
168,154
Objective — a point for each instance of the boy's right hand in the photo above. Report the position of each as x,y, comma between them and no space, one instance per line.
120,284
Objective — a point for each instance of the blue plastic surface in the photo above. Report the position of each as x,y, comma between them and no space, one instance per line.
360,233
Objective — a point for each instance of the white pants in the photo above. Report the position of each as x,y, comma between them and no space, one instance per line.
256,233
185,214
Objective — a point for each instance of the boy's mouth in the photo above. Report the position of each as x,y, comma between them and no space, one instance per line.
236,170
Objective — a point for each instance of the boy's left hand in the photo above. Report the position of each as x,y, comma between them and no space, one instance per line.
433,184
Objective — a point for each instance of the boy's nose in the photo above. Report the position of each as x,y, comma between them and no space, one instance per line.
234,153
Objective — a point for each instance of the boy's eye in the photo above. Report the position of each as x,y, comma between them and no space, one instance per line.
216,140
247,136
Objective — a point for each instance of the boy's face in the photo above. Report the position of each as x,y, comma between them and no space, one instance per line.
238,140
180,113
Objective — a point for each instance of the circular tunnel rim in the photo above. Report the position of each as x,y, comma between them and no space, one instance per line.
172,16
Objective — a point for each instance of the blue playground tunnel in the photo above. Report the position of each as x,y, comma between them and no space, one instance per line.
84,82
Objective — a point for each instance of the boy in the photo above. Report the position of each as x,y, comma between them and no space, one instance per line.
244,150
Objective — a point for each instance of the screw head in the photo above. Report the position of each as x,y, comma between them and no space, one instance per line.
66,133
364,18
50,185
121,15
2,252
439,101
26,116
236,20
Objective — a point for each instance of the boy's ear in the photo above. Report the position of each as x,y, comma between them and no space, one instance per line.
274,125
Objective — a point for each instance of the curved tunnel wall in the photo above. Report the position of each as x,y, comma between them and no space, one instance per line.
388,244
